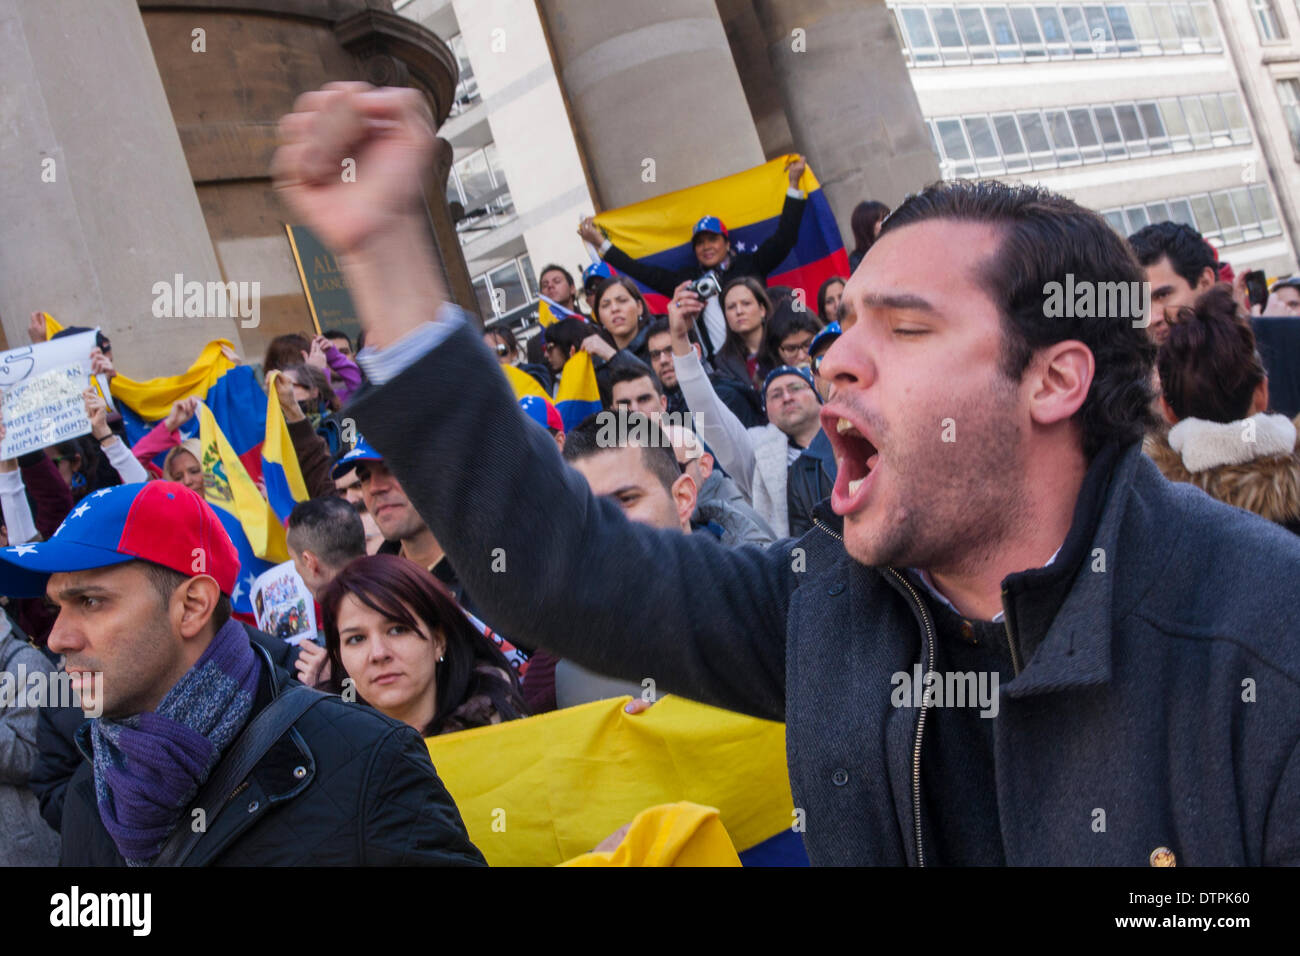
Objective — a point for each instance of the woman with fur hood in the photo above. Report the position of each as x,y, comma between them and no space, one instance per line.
1214,395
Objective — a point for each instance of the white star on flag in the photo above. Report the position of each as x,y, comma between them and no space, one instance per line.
22,549
80,510
237,592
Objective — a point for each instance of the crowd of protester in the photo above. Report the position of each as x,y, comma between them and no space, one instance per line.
409,637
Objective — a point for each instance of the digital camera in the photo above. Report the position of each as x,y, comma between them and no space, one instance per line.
707,285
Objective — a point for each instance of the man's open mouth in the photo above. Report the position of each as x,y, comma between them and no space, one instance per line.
856,458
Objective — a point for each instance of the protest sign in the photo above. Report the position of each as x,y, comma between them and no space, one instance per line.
283,605
42,386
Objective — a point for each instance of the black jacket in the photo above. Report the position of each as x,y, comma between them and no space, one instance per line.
344,786
56,729
809,480
1157,673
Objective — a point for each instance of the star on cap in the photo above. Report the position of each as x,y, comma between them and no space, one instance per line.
22,549
80,510
101,492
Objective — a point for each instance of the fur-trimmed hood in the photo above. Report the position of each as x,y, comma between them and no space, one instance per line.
1260,474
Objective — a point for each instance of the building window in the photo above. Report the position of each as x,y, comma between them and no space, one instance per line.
466,87
1288,91
950,35
1267,22
1225,217
982,145
506,289
478,185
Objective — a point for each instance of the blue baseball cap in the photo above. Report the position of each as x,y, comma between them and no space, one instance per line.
710,224
596,272
162,522
542,411
362,452
824,338
780,370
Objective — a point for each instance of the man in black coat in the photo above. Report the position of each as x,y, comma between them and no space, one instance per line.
1009,640
713,253
176,690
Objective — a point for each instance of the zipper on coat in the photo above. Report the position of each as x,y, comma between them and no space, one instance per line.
920,721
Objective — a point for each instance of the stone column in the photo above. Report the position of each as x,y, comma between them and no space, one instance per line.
849,100
97,199
651,81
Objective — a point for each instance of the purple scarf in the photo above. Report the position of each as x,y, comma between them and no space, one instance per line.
148,767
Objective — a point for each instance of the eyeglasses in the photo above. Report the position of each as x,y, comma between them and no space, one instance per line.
502,348
791,351
794,388
661,353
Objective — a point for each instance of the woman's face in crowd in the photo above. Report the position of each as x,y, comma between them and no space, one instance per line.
496,343
185,468
794,348
744,314
619,312
833,295
304,393
393,666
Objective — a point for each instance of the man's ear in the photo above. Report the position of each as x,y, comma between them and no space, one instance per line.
193,604
1259,401
1209,275
1059,378
684,495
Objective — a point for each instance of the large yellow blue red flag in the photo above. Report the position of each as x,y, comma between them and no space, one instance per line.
577,395
281,474
543,790
254,528
658,231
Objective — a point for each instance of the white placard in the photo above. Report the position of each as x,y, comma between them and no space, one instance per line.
282,604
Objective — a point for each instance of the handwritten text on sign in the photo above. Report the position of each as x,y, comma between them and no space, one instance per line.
44,410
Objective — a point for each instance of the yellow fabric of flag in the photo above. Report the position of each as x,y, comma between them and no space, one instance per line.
678,834
543,790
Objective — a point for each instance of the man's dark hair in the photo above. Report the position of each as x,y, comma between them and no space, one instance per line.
628,368
570,333
1208,366
659,326
330,528
590,437
556,267
165,581
1046,237
338,335
1189,254
505,333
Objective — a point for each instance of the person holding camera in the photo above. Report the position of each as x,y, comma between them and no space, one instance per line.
716,263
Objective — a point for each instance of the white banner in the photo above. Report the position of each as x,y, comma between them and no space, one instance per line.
42,386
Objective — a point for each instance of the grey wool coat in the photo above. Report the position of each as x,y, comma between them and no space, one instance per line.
1164,689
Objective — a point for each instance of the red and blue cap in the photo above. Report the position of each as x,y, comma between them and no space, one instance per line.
542,411
709,224
596,272
362,452
162,522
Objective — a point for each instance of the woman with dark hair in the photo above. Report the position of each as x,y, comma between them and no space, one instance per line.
747,308
311,387
500,338
789,336
621,311
866,221
285,350
828,299
410,652
1215,395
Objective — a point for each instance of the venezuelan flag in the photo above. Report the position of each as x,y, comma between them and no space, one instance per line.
658,231
281,474
543,790
549,312
578,394
254,528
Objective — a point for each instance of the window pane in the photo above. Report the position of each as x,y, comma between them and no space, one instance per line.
954,146
1115,219
484,297
1197,125
1184,22
1013,147
1246,215
919,38
1206,27
1158,212
530,280
945,27
1176,124
1085,134
1058,125
1004,37
1145,27
1180,210
977,35
1109,129
506,279
474,178
1027,30
1130,126
1227,218
1218,120
1078,29
1206,224
1137,218
1164,21
1264,209
1123,29
983,144
1151,120
1103,40
1236,117
1031,124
